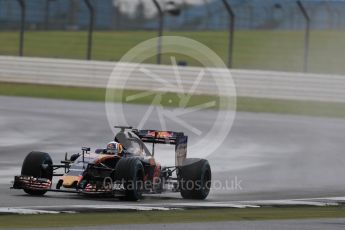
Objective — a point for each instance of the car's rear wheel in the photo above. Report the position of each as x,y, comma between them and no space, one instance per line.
37,165
130,172
195,179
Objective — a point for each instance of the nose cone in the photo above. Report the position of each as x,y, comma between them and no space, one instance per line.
70,181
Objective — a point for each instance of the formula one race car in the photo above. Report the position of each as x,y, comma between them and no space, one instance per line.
126,168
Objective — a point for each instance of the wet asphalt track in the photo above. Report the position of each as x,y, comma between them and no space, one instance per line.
270,156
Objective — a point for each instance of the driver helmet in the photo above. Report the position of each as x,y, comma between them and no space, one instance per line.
114,148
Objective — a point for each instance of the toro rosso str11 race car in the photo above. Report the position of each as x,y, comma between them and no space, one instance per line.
126,168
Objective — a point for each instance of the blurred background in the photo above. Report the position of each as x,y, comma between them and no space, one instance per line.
268,35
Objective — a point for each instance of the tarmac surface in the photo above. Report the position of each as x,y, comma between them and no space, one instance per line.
265,156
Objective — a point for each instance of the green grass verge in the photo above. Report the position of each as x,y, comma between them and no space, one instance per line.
93,94
258,49
307,108
176,216
243,103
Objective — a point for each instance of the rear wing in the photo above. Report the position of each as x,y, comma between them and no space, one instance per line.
159,137
167,137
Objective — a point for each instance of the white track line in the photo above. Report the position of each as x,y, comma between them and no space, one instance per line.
26,211
319,202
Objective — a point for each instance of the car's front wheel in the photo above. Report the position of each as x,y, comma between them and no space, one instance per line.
130,172
37,165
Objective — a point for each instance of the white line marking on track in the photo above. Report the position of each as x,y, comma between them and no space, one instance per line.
26,211
324,201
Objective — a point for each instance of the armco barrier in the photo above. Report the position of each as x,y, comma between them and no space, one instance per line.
249,83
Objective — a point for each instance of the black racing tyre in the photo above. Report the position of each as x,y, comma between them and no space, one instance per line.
195,179
38,165
130,172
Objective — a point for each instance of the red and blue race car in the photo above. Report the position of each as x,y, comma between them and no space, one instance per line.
125,168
